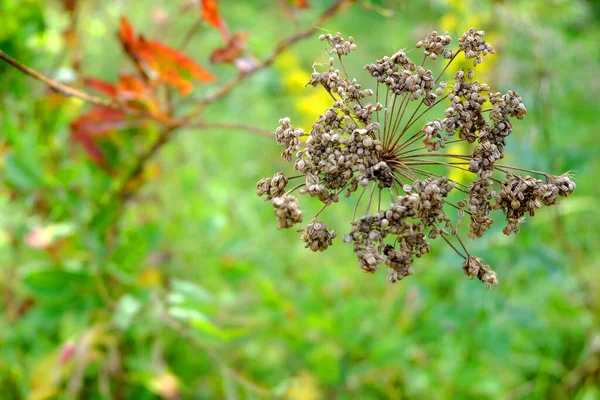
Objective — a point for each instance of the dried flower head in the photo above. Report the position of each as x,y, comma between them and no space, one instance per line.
287,211
379,149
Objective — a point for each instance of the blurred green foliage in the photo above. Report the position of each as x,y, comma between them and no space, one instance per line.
196,294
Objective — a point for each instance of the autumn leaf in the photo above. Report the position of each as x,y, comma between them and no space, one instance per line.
130,87
101,86
130,90
126,33
159,62
97,123
173,67
210,12
232,50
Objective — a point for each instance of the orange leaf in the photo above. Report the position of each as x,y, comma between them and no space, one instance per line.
172,66
126,34
233,49
302,4
210,12
130,87
158,61
138,94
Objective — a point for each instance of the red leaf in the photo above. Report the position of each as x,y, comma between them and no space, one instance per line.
210,12
97,123
130,90
233,49
172,66
101,86
302,4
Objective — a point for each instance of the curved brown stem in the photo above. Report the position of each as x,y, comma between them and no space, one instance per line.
59,87
281,46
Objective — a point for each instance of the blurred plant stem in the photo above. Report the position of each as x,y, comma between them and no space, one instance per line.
59,87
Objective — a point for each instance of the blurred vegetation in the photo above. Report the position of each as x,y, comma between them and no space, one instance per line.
195,293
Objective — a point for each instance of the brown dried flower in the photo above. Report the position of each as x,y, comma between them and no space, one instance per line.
287,211
365,146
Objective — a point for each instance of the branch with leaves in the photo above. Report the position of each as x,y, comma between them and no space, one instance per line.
135,100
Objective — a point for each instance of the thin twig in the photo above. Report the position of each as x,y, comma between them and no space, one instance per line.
281,46
451,245
224,125
138,168
190,33
59,87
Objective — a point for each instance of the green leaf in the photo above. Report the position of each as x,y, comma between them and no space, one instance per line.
127,307
54,282
199,321
190,290
22,174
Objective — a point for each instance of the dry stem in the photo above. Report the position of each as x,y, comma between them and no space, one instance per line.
59,87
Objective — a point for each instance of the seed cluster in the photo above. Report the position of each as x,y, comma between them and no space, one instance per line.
474,267
367,148
272,187
287,211
401,76
522,195
474,46
317,236
435,45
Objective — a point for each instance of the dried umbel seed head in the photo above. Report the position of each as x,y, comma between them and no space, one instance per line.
475,268
562,185
338,45
435,45
391,154
287,211
473,45
317,236
288,137
272,187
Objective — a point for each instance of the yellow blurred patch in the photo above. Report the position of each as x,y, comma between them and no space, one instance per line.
313,104
45,378
455,174
153,170
459,5
449,22
310,102
304,387
166,386
150,277
295,80
457,21
286,60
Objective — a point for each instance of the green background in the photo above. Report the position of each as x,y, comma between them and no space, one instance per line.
198,295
